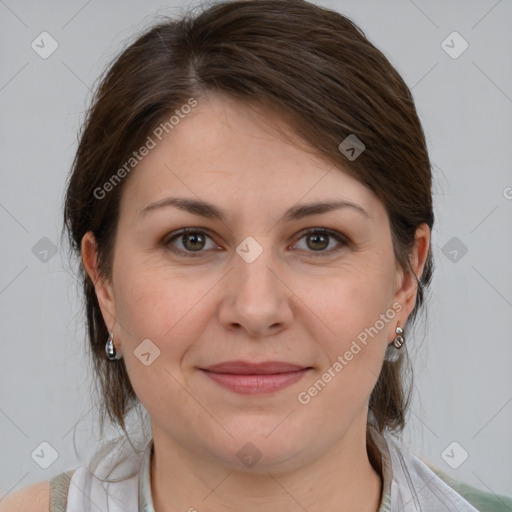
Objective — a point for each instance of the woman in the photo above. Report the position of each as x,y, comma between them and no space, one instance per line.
251,202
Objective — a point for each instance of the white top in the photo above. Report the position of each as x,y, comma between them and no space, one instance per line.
408,484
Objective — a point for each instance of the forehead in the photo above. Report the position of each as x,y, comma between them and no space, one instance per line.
227,150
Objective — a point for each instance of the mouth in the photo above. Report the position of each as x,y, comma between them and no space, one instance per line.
255,378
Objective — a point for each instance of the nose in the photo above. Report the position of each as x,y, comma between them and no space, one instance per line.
255,297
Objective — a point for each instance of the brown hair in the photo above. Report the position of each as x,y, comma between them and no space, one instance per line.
314,67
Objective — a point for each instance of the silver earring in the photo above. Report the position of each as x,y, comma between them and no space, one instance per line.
399,340
393,350
110,349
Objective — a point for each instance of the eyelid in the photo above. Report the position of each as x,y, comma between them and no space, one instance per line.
177,234
339,237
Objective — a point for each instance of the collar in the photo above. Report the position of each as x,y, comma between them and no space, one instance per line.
145,499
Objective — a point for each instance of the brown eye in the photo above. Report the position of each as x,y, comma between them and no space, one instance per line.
193,241
189,241
319,239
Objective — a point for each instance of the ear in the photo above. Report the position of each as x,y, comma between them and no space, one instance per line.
406,285
103,287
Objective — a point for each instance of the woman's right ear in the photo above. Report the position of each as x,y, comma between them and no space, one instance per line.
103,286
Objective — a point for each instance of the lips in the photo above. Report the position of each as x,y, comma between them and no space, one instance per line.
248,368
255,378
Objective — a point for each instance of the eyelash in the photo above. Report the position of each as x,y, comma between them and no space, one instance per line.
314,231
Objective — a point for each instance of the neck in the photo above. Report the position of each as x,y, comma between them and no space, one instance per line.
342,478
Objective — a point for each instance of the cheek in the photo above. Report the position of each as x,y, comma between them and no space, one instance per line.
151,298
358,311
353,347
356,299
167,307
159,316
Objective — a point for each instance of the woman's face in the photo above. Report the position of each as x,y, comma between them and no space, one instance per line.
255,286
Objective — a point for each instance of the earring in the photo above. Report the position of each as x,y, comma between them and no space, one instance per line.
393,350
110,349
399,338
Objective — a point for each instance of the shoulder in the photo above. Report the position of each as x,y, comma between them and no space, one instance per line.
483,501
415,476
50,496
34,498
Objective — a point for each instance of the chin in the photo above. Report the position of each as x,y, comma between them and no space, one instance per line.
260,451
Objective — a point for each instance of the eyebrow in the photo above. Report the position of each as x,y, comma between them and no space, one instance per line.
210,211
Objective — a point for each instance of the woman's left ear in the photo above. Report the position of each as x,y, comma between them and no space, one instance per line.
406,285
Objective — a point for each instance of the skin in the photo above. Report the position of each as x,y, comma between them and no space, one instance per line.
297,302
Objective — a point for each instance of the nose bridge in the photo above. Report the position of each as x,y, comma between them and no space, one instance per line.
253,275
256,298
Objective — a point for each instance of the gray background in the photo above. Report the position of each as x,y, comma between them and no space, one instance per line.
463,387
